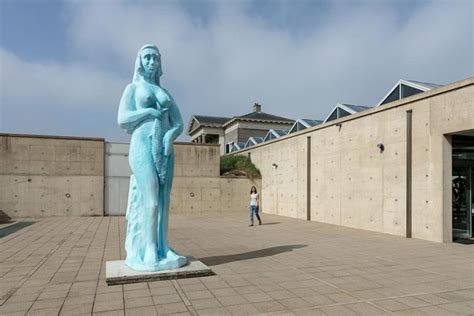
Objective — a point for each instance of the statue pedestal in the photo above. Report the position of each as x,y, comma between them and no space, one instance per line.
116,272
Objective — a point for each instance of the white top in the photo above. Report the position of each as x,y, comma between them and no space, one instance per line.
254,199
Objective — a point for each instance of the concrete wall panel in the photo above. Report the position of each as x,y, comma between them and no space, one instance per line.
49,176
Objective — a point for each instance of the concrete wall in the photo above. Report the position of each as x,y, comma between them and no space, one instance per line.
434,118
353,184
49,176
197,187
61,176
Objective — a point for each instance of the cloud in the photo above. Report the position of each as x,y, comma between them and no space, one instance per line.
221,62
223,66
51,97
71,86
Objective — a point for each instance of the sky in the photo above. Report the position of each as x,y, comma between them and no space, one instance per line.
64,63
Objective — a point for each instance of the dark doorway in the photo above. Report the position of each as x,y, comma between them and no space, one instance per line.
462,185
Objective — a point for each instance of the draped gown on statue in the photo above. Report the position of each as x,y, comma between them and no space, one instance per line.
146,241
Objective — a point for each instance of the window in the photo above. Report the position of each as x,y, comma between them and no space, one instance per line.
395,95
342,113
408,91
333,116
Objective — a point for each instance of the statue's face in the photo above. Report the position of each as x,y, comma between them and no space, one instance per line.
150,60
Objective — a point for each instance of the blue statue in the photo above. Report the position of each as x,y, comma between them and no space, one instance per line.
149,113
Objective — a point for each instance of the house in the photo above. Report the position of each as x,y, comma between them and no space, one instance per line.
238,129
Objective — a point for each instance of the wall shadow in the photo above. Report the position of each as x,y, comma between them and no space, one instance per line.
270,223
267,252
13,228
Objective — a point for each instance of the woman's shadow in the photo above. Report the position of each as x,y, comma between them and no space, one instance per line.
267,252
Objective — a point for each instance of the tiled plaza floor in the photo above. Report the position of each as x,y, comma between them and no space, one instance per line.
287,266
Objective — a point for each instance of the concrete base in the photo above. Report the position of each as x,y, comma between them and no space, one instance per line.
116,272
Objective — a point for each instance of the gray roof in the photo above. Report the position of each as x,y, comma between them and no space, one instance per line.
281,132
211,119
311,122
219,121
427,85
356,108
264,116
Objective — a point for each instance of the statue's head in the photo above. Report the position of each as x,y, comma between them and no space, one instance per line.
148,61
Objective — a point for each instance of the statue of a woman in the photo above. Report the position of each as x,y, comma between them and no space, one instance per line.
149,113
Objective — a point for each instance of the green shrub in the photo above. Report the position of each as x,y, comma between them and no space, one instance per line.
238,165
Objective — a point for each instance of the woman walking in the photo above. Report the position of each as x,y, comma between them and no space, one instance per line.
254,198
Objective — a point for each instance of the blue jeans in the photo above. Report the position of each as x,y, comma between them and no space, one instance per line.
254,209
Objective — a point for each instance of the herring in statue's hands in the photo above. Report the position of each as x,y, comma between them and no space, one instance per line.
148,112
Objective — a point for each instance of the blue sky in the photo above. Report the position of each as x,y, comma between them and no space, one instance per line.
64,63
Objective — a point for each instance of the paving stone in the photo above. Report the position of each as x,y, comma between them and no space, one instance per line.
205,303
141,311
44,312
120,312
248,289
310,312
269,307
23,297
232,300
193,287
48,303
366,309
138,302
295,303
165,309
167,298
115,296
136,293
102,306
224,292
281,294
413,301
257,297
462,308
15,307
391,305
52,294
199,294
162,290
338,310
244,309
318,300
217,311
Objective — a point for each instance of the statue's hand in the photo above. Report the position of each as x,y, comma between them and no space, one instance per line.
168,145
158,114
